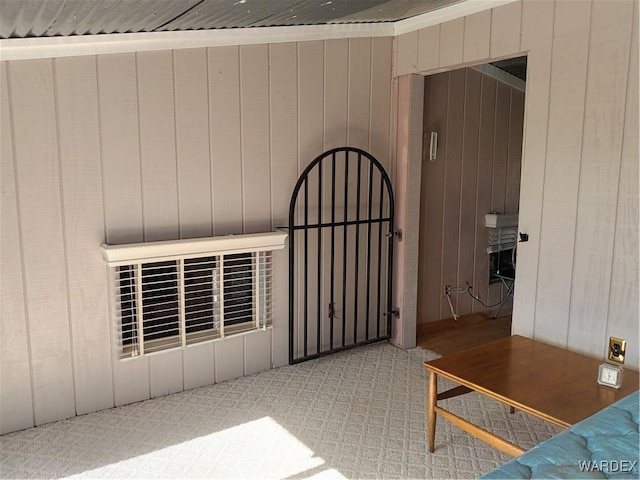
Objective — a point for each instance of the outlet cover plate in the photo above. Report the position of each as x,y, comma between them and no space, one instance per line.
617,349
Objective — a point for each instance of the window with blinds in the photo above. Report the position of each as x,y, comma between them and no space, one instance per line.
503,237
169,302
501,250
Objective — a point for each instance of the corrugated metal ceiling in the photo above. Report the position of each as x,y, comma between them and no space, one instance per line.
52,18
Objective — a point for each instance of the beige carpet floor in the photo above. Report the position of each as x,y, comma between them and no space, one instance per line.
355,415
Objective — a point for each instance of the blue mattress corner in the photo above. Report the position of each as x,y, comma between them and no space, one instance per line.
605,445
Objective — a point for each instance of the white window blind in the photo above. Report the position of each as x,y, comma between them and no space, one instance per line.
168,295
501,239
503,231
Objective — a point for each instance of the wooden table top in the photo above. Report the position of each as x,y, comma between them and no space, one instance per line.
550,382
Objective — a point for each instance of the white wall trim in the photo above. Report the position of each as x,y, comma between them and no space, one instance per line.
457,10
52,47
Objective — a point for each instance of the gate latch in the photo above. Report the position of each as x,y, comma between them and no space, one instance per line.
395,313
397,234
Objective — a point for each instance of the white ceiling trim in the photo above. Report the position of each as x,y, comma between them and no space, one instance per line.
501,75
49,47
457,10
52,47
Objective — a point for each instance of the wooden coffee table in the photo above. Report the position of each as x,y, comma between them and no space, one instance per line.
548,382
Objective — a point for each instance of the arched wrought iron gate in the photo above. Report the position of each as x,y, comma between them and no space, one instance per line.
340,254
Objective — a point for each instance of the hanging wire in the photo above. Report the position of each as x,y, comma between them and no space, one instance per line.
468,289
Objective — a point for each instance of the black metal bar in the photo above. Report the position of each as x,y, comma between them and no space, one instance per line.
379,298
319,299
306,263
344,247
362,221
369,207
333,238
341,349
357,255
291,286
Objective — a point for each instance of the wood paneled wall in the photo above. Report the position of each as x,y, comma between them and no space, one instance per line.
577,277
476,171
154,146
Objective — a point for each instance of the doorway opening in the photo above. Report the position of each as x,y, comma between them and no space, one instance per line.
470,193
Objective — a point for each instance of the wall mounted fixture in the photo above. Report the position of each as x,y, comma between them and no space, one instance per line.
433,146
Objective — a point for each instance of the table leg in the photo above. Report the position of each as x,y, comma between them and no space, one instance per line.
431,412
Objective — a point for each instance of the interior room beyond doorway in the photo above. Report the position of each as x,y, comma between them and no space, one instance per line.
472,156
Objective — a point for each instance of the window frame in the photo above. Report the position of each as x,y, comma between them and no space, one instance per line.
254,253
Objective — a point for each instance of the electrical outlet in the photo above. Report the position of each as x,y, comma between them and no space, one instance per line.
447,289
617,349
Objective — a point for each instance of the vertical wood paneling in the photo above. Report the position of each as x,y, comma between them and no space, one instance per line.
484,186
433,173
165,373
359,94
500,147
452,184
381,99
407,53
16,404
229,358
257,352
467,240
39,196
477,36
537,39
564,148
254,101
428,48
78,127
499,170
599,177
451,42
514,160
280,289
192,142
505,29
199,365
226,148
336,93
310,101
118,106
624,293
158,145
283,94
